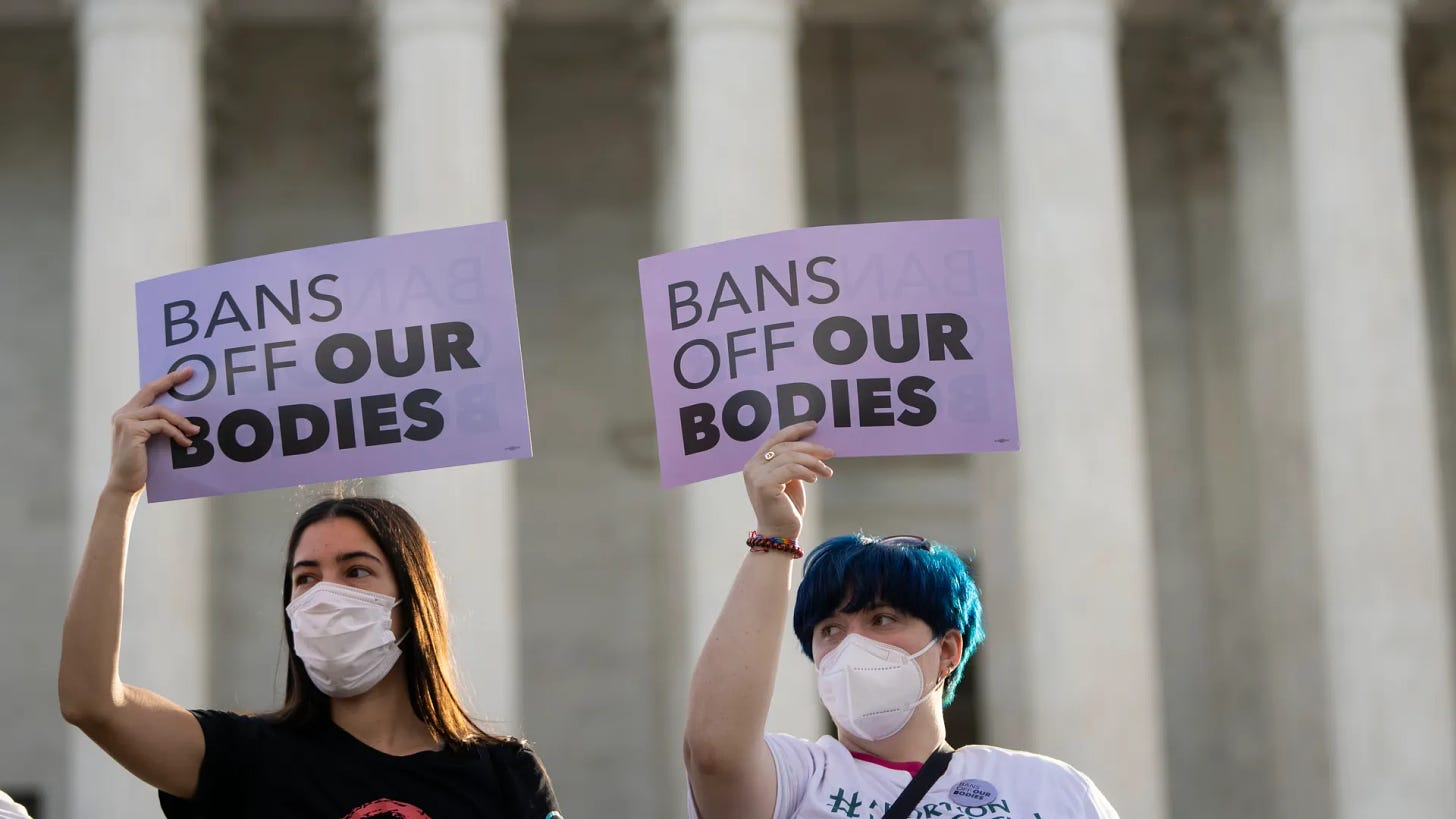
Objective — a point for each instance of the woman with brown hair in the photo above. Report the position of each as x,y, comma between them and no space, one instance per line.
360,734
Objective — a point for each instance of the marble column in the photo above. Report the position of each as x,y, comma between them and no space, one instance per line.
1445,234
1271,317
1433,86
972,57
141,213
1377,517
675,652
442,164
1163,105
737,171
1235,610
1093,687
1444,159
968,52
1432,68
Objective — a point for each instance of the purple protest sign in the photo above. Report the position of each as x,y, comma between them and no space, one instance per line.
363,358
894,336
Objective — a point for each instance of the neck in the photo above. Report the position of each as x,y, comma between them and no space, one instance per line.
913,743
383,719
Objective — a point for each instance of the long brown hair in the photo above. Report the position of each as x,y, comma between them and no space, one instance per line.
429,667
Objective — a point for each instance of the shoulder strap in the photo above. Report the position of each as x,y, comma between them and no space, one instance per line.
921,782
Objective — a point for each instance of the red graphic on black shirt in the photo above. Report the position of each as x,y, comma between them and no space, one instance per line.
387,809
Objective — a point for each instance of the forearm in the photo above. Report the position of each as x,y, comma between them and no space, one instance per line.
91,641
733,683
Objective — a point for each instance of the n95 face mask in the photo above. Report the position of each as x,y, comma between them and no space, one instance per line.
871,688
342,635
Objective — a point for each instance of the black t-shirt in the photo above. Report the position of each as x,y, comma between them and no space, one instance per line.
255,768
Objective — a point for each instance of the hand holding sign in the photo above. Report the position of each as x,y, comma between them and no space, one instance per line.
775,476
893,335
135,424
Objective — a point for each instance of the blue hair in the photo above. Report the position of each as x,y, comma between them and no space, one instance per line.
926,579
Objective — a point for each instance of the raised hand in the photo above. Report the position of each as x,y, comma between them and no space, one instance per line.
775,477
135,423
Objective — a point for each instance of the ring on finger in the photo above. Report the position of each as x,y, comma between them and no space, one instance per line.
769,456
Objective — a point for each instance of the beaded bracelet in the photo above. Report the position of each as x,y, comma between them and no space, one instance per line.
765,543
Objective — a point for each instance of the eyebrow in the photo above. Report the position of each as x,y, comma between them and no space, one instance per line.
343,558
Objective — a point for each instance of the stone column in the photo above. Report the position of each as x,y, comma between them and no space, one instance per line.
969,55
1432,71
442,164
1377,518
1443,137
971,58
1093,689
1163,107
737,171
1235,610
1432,67
675,651
1271,310
141,213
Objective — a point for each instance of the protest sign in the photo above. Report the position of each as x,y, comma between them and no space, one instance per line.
894,336
363,358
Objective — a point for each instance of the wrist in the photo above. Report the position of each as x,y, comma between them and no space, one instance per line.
114,495
788,532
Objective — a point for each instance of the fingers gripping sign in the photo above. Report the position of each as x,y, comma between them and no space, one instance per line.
135,424
775,475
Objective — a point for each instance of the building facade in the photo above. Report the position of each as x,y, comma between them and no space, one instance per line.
1218,576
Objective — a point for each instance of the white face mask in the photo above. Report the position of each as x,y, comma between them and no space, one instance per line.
343,637
871,688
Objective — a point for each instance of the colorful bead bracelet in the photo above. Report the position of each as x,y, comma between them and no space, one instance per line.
765,543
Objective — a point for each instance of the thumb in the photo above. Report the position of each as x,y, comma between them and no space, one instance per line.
795,491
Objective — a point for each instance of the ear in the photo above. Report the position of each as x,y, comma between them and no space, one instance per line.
952,644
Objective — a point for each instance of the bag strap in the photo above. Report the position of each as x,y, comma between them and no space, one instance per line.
921,782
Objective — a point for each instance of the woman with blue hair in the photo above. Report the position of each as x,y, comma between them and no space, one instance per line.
889,623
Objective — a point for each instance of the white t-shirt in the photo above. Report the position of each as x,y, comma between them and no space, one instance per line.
821,780
10,809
